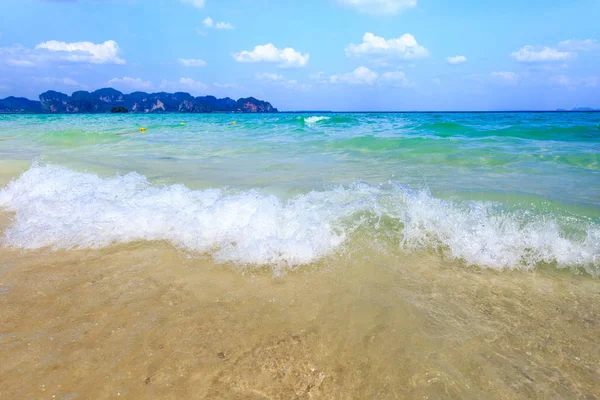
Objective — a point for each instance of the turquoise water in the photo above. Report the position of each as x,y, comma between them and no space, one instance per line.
494,190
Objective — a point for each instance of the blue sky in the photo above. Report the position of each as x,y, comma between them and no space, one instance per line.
312,54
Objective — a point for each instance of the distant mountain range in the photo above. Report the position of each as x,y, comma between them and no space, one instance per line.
105,100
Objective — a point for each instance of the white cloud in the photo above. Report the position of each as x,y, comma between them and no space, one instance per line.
320,76
224,25
225,85
364,76
20,62
565,50
209,23
131,83
281,80
505,76
59,81
18,56
195,3
396,78
103,53
572,82
578,45
360,76
287,58
531,54
456,60
265,76
193,85
405,47
379,6
191,62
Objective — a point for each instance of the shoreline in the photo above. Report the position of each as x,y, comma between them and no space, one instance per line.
144,319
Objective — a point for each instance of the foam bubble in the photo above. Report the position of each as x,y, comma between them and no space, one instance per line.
60,208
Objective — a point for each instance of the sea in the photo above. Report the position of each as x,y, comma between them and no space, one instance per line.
300,255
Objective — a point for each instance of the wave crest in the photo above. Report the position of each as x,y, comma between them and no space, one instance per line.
60,208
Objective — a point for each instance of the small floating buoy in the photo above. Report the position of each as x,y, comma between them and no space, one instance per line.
182,123
142,129
276,119
265,119
234,123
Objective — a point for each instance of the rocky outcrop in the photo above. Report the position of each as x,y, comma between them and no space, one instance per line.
19,105
56,102
103,100
250,104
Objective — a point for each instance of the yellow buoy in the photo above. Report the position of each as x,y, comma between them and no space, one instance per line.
265,119
182,123
233,123
142,129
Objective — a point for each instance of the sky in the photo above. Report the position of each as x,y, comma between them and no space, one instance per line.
339,55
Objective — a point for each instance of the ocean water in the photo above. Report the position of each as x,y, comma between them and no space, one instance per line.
503,191
341,255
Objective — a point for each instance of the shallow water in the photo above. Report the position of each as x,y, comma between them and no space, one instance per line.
300,256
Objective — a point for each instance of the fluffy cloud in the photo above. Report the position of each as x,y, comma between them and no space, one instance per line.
265,76
565,50
278,79
195,3
191,62
396,78
364,76
505,76
360,76
532,54
224,25
130,83
192,84
209,23
578,45
88,52
53,52
405,47
379,6
456,60
286,58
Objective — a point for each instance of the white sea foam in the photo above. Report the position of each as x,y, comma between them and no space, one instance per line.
60,208
314,119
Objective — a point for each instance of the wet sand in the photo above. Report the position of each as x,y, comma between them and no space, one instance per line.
145,320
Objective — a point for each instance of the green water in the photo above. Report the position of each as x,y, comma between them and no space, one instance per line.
500,190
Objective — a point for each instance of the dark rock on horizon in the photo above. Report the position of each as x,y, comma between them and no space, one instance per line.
119,109
19,105
104,100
